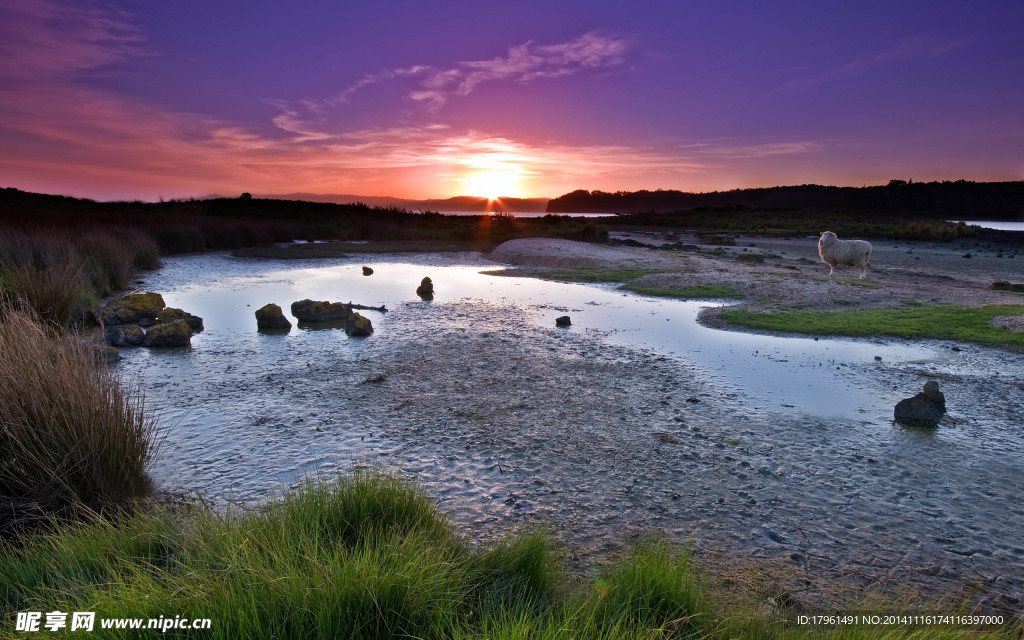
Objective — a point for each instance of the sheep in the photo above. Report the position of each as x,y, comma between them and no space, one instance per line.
850,253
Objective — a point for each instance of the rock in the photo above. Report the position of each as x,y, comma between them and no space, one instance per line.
426,289
172,334
367,271
135,308
124,335
320,311
269,317
563,321
923,410
1003,285
170,313
357,325
105,354
756,258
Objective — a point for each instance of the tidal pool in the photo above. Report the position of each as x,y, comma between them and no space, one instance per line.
635,418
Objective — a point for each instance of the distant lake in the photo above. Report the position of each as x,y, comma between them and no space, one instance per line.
1000,225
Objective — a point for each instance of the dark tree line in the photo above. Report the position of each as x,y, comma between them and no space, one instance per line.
959,200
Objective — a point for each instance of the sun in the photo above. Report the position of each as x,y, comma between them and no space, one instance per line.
492,184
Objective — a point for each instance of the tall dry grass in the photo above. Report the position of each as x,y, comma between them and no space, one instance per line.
108,260
70,433
48,273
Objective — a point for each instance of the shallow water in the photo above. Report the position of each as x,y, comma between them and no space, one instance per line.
634,418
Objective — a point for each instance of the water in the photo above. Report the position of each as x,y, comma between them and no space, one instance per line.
1000,225
634,418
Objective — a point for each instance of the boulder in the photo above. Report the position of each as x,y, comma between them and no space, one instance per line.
135,308
320,311
170,313
124,335
923,410
172,334
426,289
270,318
367,271
563,321
357,325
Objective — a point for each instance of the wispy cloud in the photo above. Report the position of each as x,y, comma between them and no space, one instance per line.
43,39
914,48
523,63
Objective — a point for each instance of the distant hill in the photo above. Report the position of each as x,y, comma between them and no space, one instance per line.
959,200
466,204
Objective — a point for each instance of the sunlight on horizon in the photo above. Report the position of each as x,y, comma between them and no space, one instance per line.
492,185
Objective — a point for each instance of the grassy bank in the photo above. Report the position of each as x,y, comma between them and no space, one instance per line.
369,556
941,322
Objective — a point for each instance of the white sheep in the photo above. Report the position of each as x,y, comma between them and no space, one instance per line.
850,253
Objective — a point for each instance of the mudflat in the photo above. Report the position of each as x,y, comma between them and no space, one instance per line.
786,273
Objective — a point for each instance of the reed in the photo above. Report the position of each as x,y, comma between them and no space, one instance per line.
70,433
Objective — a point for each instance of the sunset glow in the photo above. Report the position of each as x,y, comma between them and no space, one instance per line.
115,100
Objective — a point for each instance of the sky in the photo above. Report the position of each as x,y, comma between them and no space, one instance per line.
144,100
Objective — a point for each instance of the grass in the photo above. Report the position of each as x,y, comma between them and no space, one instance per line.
594,274
856,282
367,555
70,434
695,292
62,275
940,322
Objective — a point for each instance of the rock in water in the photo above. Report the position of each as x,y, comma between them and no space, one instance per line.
563,321
923,410
195,323
426,289
136,308
320,311
124,335
367,271
172,334
357,326
270,318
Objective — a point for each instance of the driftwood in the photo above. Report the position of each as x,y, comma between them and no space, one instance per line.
381,308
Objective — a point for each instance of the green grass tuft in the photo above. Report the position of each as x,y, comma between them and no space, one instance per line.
594,274
941,322
695,292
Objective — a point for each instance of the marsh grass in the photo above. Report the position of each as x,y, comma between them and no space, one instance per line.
70,433
62,275
697,292
939,322
593,274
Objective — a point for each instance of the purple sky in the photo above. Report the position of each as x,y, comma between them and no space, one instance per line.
136,99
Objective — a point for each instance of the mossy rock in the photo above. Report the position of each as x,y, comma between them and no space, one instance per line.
124,335
320,311
1003,285
171,314
172,334
756,258
137,307
358,326
426,289
104,354
271,318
